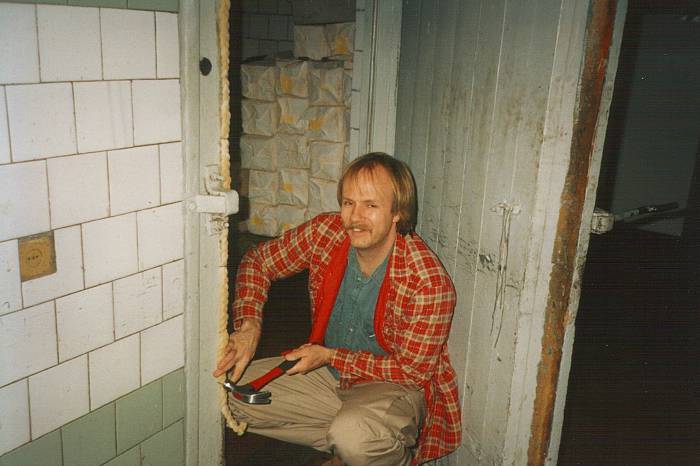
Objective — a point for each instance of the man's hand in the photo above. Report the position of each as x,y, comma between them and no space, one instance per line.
311,357
240,349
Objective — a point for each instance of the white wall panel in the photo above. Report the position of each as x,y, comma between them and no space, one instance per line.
10,285
114,370
128,44
109,249
160,235
19,52
138,302
103,115
69,43
167,46
14,406
78,189
42,123
23,190
133,179
162,349
156,111
27,342
84,321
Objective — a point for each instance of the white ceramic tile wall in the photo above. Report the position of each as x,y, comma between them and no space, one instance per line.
69,270
162,349
133,179
171,179
161,236
27,342
103,115
19,53
42,123
78,189
128,44
79,89
84,321
69,43
156,111
14,406
114,370
10,285
67,399
138,302
167,46
23,190
109,249
173,289
4,131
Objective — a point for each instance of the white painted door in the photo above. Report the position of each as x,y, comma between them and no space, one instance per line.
499,108
206,169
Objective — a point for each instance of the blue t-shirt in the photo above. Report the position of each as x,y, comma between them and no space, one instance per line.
351,325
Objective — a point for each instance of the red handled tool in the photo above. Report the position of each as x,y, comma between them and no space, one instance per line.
252,392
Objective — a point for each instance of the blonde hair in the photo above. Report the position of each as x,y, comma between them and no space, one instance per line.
403,185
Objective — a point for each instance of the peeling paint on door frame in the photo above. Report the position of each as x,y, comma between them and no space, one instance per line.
599,34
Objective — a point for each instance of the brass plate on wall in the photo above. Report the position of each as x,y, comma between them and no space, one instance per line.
37,256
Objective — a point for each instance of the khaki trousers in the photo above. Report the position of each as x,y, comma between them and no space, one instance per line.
373,423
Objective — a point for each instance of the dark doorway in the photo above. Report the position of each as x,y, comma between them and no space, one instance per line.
258,29
633,396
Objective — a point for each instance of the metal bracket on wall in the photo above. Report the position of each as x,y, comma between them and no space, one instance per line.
217,204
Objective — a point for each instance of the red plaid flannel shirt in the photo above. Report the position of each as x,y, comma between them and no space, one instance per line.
413,318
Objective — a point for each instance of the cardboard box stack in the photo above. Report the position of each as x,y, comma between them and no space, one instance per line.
296,116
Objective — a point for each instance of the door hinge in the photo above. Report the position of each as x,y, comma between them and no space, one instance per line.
217,204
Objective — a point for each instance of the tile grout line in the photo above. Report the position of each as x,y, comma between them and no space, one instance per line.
29,411
102,52
55,322
38,52
6,116
155,42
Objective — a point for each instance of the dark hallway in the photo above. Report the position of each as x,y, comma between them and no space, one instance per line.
629,399
633,387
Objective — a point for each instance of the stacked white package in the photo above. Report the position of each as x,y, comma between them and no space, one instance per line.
327,124
290,217
258,80
292,76
296,122
260,117
310,42
263,219
294,187
258,152
327,159
322,196
292,115
263,187
292,151
327,83
340,38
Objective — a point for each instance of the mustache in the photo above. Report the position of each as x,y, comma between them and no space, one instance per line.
359,226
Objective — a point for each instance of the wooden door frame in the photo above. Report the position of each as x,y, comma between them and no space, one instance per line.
603,37
201,136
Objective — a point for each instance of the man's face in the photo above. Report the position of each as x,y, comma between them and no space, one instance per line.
365,209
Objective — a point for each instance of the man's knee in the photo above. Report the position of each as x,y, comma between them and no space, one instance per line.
361,438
